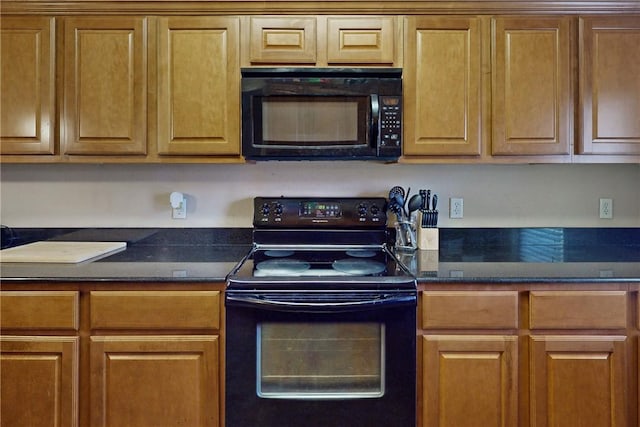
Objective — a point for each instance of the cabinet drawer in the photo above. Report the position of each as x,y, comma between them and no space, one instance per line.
578,309
155,310
463,310
39,310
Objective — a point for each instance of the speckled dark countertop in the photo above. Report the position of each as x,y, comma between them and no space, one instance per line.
182,254
488,255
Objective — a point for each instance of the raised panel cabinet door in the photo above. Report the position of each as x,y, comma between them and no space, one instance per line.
469,381
532,99
27,85
578,381
198,86
160,381
442,86
105,87
39,381
283,40
610,85
361,40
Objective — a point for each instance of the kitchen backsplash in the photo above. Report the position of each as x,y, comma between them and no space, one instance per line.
220,195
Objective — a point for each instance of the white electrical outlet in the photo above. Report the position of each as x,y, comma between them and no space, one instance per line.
606,208
456,208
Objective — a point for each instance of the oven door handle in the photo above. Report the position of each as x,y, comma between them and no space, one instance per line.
318,304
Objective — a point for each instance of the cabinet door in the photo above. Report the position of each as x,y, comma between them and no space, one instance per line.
469,381
610,85
198,86
38,381
282,40
532,98
578,381
442,83
105,89
358,40
154,381
27,85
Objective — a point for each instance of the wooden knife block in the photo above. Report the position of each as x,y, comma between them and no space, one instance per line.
428,239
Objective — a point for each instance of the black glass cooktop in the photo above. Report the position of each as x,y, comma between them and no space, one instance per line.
294,262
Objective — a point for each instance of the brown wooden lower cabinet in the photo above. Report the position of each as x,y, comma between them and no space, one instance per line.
578,381
154,381
39,381
529,356
469,380
116,355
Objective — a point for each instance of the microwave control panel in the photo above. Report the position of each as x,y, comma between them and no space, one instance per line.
390,121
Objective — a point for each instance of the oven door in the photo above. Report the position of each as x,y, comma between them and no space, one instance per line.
318,359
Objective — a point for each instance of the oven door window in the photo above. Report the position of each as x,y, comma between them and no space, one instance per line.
313,121
317,360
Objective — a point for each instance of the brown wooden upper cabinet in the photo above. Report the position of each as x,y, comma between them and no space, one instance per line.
532,100
27,85
321,41
442,86
609,83
447,106
198,86
105,85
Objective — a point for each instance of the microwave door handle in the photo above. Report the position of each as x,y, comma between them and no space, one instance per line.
375,120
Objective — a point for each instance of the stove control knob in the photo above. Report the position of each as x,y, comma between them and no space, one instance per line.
362,209
375,210
265,209
277,209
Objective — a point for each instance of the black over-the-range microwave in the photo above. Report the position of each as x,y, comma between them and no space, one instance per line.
321,113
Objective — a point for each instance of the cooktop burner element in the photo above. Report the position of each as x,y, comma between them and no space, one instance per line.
361,253
282,267
278,253
363,267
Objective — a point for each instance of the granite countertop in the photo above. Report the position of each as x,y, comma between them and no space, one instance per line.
488,255
189,254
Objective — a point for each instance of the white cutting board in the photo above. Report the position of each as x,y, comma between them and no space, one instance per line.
59,252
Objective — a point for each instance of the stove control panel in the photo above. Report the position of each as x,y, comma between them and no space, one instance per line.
285,212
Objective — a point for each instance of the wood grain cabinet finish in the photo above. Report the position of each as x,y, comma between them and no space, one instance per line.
155,310
46,310
154,381
532,99
323,41
283,40
27,85
39,381
442,86
105,85
198,86
469,381
358,40
39,373
469,310
578,381
609,85
578,309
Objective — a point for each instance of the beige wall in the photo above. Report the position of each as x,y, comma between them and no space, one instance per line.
221,195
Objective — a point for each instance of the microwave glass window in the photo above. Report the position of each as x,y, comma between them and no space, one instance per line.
320,360
313,121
